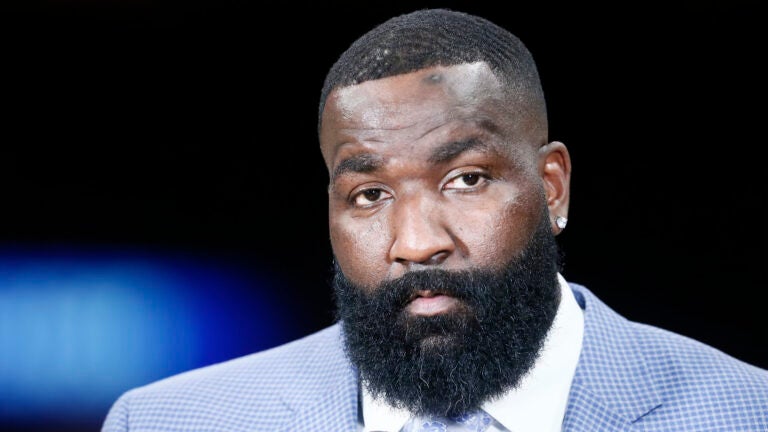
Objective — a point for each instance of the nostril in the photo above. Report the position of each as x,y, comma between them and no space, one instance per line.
434,259
437,258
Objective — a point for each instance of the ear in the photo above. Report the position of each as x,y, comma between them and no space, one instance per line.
555,171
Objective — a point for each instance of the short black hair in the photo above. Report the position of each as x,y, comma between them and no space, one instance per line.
432,37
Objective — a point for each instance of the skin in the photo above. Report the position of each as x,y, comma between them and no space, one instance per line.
436,169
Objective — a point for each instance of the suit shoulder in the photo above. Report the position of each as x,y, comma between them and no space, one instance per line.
712,387
664,352
690,359
227,394
666,380
281,360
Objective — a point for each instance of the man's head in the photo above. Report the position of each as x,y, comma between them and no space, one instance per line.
443,194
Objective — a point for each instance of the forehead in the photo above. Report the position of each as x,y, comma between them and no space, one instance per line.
407,106
376,103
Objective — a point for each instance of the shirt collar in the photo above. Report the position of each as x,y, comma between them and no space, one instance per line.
542,395
539,403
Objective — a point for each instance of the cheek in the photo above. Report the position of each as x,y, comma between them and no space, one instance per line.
495,233
360,247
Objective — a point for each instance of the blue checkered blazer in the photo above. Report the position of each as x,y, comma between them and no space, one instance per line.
630,376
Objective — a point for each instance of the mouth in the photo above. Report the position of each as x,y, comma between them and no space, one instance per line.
429,303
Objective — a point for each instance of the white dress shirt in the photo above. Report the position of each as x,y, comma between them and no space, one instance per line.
538,403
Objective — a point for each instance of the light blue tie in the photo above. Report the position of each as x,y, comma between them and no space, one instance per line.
472,422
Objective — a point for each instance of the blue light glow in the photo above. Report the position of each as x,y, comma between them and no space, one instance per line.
76,330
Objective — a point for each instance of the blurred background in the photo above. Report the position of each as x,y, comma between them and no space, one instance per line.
163,195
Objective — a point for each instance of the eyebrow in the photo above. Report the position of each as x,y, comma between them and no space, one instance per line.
361,163
368,162
451,150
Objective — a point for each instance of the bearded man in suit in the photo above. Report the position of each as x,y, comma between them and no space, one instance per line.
445,200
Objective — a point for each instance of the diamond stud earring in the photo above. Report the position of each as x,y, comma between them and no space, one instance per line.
561,222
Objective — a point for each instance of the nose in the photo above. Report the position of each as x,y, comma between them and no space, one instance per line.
420,233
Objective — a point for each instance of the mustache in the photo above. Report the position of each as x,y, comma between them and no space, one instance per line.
460,284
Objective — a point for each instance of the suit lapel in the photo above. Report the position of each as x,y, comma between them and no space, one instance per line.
324,395
612,387
588,412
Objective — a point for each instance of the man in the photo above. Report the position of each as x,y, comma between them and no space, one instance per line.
445,198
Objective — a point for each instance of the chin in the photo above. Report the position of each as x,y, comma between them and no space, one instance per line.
439,342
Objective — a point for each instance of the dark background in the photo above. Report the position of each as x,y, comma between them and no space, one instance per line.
191,126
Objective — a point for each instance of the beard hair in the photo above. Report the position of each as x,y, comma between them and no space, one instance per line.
448,364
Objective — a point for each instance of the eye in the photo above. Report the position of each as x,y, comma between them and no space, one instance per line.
466,181
369,197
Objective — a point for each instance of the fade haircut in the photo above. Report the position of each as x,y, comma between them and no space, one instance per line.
438,37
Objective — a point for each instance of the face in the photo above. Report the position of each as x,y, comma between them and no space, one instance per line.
442,199
435,169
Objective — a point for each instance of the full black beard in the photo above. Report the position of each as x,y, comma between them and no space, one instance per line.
449,364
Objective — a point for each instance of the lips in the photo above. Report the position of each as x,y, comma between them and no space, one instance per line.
428,303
